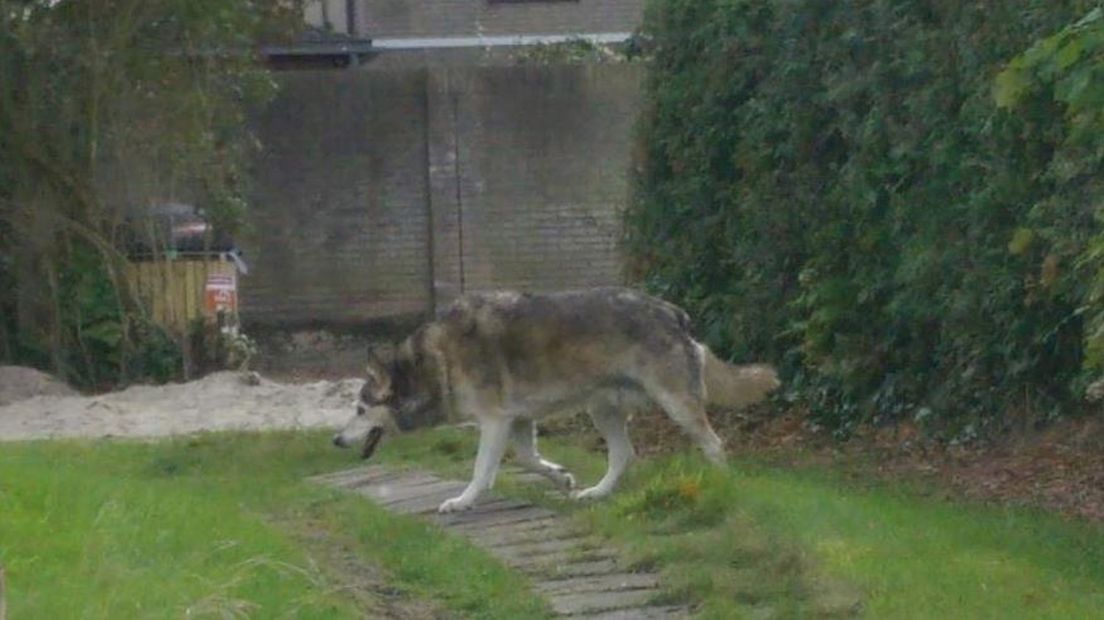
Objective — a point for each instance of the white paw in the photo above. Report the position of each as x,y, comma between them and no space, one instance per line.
563,478
456,504
590,494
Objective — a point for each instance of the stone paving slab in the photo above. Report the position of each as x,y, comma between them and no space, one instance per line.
426,504
656,612
577,575
601,583
579,568
482,517
398,495
532,547
360,475
552,556
574,603
515,533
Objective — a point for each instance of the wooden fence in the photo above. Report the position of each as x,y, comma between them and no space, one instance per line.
173,290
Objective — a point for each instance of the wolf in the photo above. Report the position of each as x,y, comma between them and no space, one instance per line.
508,360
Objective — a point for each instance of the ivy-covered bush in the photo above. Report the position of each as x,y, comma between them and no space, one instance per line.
832,186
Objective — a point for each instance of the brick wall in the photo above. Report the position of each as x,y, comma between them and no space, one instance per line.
385,193
341,216
544,157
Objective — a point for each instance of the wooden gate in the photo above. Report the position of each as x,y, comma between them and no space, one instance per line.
173,290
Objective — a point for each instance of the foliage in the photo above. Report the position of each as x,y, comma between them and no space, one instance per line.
213,347
1067,69
830,186
88,308
109,107
574,51
240,349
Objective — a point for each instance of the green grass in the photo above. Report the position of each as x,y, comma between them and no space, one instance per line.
756,541
223,526
220,526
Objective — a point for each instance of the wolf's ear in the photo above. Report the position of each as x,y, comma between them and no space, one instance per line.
381,354
378,371
378,386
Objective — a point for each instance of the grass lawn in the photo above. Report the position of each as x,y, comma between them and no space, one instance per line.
221,526
755,541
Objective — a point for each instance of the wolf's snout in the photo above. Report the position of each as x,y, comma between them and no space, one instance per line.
338,441
370,442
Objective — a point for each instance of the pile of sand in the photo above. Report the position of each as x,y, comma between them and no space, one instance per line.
221,401
18,382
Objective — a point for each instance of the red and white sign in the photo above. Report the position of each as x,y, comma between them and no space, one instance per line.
221,293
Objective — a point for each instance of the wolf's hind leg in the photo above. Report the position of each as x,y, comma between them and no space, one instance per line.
524,437
689,413
611,423
493,436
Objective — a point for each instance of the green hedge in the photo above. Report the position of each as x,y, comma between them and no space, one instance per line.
831,186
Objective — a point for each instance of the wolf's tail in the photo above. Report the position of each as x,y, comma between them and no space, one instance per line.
736,386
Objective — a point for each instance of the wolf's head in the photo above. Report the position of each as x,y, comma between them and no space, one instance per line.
397,395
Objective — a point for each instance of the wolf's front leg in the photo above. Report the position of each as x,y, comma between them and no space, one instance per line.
524,437
493,434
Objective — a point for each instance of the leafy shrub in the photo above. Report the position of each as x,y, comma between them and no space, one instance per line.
104,112
831,186
212,347
1067,68
102,343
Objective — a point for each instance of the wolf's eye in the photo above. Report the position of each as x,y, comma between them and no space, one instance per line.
360,409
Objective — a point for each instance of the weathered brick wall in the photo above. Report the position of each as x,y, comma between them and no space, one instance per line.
544,155
385,193
341,217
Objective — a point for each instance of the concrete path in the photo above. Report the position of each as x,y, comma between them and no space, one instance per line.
579,576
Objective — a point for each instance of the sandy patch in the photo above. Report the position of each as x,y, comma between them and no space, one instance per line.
217,402
19,382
